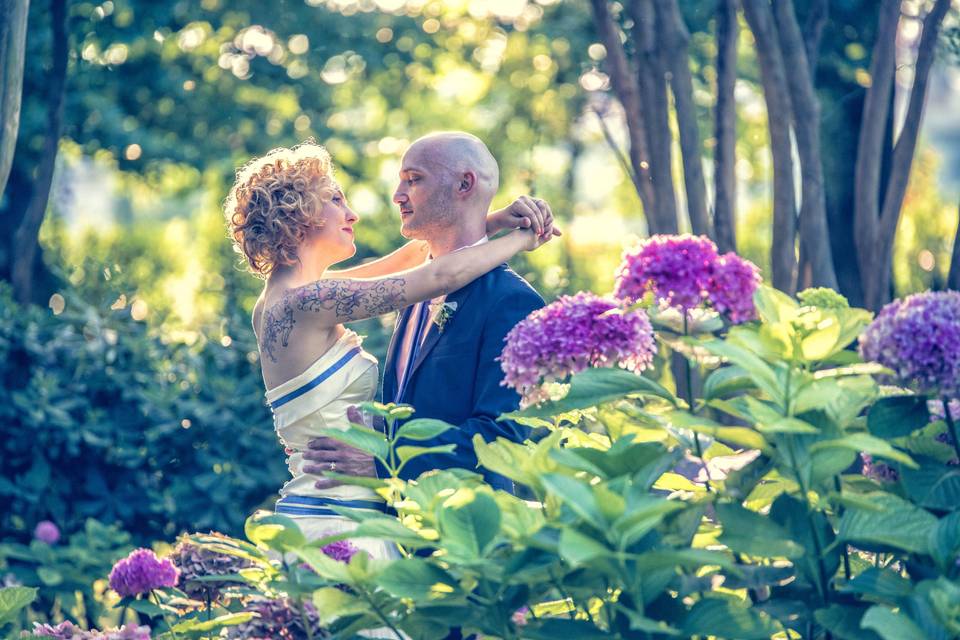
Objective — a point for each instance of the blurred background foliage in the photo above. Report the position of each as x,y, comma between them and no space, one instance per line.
132,394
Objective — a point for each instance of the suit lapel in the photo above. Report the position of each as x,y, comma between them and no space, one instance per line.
433,332
390,381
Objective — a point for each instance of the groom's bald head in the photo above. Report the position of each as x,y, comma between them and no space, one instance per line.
457,153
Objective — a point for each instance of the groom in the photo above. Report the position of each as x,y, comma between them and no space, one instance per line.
442,356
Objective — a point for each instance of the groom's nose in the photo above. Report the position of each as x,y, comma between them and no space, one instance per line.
399,197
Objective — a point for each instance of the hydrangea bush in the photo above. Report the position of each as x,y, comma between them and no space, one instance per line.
826,503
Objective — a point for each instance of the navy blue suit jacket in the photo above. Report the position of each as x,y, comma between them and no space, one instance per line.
456,377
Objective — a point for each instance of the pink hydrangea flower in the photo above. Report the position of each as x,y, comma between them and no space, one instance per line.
68,631
569,335
46,531
731,287
141,572
341,550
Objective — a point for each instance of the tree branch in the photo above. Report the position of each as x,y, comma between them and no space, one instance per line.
953,278
779,113
814,233
813,32
13,35
25,238
725,128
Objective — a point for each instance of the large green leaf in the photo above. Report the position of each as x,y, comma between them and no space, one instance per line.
407,453
774,305
844,622
897,523
642,517
197,627
867,444
945,540
418,580
423,429
13,599
891,625
759,371
469,521
726,381
578,548
932,485
728,619
738,436
897,416
325,566
755,534
879,583
273,531
367,440
554,628
578,496
592,387
333,603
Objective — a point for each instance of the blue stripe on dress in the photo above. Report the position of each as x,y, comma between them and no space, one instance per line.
329,371
318,506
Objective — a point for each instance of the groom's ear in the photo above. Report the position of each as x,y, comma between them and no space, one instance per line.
468,180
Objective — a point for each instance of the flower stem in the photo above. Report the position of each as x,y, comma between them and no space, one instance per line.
951,426
688,393
383,618
846,554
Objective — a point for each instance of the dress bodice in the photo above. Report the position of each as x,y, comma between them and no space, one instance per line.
318,399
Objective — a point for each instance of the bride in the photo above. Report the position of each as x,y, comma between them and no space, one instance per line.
289,218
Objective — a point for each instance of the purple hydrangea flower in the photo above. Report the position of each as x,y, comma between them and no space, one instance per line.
569,335
685,272
879,471
46,531
677,269
68,631
141,572
341,550
277,619
193,561
732,286
918,337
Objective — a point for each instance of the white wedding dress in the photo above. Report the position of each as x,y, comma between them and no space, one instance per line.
318,399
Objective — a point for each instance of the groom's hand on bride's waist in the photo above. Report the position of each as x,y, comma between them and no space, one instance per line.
327,454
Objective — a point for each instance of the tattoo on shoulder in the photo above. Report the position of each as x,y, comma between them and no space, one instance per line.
347,299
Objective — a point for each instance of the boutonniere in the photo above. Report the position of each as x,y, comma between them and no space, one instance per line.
443,314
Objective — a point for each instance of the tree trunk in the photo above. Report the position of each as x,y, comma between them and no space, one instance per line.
953,278
783,258
13,37
725,128
624,80
676,39
653,96
25,239
814,234
813,32
877,292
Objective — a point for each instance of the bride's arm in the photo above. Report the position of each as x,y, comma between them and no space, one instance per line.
410,255
331,301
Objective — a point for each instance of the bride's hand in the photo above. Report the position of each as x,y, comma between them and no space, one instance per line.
530,241
525,212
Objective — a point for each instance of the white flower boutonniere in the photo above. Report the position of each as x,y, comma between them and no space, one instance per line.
443,314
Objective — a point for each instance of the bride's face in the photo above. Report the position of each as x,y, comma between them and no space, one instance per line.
336,235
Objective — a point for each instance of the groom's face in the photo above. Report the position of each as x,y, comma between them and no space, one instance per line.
424,194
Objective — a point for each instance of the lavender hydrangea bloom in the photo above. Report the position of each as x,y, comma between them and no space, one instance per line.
879,471
194,561
918,337
341,550
277,619
46,531
569,335
677,269
68,631
141,572
731,288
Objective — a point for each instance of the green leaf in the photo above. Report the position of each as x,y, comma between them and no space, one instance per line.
897,416
867,444
739,436
13,599
891,625
576,495
592,387
147,608
759,371
364,438
844,622
273,531
469,521
726,381
898,524
774,305
407,453
739,483
880,583
423,429
49,576
333,603
642,517
553,628
749,532
578,548
932,485
728,619
325,566
418,580
198,626
822,342
945,540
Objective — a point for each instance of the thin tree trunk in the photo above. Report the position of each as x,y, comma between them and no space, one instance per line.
814,233
25,238
624,80
870,148
725,128
953,278
653,96
773,74
676,39
903,152
13,36
813,32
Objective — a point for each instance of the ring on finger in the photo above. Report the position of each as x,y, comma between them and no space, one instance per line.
333,466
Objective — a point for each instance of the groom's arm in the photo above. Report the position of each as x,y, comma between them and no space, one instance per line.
490,398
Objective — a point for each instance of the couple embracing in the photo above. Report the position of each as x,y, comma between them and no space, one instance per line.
456,298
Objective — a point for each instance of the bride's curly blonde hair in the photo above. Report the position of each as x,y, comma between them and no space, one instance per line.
274,203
